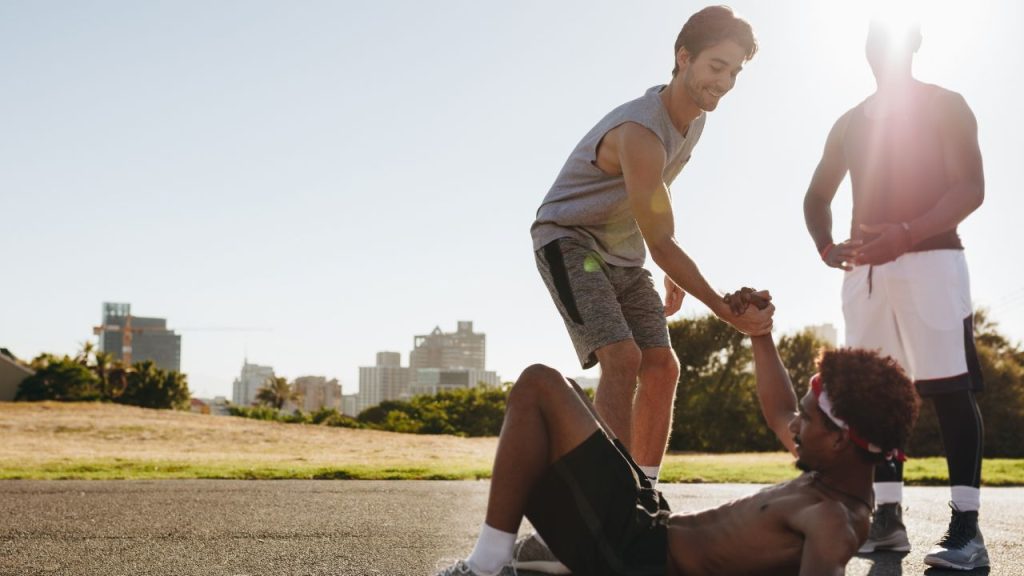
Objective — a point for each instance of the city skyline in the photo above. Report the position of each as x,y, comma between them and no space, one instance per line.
340,176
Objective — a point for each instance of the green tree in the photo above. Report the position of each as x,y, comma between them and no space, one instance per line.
477,411
276,393
151,387
103,366
63,379
799,353
716,407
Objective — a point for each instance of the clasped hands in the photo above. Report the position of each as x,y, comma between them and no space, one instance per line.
756,322
890,242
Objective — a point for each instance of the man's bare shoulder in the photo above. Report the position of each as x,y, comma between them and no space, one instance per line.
832,517
632,134
948,101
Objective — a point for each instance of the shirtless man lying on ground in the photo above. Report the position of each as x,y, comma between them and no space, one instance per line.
558,465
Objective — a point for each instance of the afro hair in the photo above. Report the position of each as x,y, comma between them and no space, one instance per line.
871,394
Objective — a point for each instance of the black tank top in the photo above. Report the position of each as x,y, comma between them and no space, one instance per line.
896,167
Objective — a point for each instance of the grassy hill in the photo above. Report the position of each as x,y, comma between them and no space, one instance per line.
52,440
93,440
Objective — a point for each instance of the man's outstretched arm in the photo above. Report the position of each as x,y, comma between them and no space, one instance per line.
642,158
774,389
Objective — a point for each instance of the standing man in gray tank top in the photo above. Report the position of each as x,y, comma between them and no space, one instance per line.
611,199
916,172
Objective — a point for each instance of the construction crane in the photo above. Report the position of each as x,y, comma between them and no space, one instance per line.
127,331
126,336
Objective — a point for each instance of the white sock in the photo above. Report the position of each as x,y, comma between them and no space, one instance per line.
492,551
966,498
652,473
888,492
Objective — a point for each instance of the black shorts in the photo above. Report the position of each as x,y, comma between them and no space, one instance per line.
598,513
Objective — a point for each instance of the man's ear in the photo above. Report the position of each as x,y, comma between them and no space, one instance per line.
682,58
842,440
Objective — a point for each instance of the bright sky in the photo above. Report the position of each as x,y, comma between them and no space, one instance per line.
348,175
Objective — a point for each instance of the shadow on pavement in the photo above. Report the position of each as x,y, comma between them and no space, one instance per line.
943,572
885,563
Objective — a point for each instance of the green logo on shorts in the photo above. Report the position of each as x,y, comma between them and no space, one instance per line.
592,263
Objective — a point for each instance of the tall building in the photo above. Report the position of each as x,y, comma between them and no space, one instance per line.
248,383
826,333
350,405
317,392
445,360
143,338
434,380
388,380
460,349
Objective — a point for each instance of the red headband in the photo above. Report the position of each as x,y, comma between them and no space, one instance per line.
825,403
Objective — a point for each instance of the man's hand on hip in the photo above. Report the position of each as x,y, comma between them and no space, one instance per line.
893,241
841,255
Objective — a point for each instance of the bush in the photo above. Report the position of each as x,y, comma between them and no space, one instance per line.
62,379
151,387
470,412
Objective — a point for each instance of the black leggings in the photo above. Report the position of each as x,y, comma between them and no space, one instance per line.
962,437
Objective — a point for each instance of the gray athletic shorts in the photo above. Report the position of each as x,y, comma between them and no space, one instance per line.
601,304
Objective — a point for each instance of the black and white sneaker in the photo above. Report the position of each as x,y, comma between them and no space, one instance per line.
962,547
887,533
531,554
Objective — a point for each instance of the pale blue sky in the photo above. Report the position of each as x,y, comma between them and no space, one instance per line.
347,175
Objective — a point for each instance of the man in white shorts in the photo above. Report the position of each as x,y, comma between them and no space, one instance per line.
912,153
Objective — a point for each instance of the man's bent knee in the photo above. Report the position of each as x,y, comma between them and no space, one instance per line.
535,381
660,367
620,360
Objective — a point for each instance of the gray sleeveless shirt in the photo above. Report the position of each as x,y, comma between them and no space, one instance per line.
592,206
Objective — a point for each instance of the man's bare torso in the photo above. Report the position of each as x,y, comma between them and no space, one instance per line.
756,534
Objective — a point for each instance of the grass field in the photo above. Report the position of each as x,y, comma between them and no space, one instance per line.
51,440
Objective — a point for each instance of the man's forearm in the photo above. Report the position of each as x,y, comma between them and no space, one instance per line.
684,272
950,210
818,217
774,388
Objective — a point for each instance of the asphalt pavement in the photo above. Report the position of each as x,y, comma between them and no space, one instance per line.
350,528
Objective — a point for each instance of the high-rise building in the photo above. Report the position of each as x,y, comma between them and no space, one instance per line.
460,349
434,380
388,380
316,392
826,333
350,405
143,338
248,383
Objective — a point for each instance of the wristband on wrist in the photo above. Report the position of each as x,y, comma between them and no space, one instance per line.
824,251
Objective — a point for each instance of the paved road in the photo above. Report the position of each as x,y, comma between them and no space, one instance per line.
350,528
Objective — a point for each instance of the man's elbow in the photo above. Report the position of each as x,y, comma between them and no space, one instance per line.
661,250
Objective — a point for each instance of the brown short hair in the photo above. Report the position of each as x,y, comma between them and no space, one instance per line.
871,394
710,26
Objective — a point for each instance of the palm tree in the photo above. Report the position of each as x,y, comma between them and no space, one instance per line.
276,392
104,363
87,350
